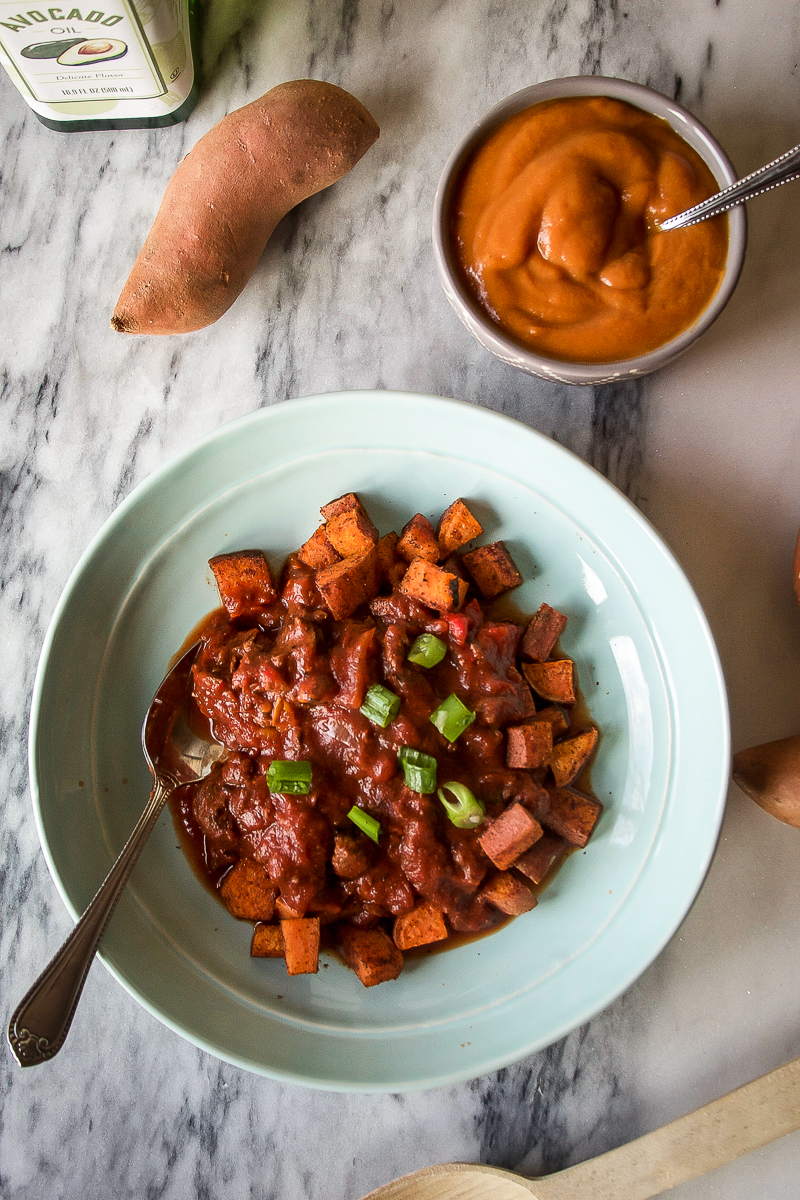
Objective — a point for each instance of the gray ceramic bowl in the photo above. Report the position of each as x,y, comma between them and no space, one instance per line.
486,331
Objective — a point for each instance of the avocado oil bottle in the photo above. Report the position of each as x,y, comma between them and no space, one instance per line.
117,64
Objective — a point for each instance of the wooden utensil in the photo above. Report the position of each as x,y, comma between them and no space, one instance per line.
717,1133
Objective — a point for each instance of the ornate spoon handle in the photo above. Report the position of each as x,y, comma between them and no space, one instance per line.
780,170
40,1023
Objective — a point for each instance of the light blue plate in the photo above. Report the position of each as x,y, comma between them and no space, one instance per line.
646,663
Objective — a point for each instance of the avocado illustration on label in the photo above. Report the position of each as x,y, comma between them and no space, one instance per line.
84,54
50,49
127,64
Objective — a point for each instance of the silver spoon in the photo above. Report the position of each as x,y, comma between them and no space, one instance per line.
780,170
175,756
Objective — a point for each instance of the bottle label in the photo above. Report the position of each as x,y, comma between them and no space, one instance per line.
69,60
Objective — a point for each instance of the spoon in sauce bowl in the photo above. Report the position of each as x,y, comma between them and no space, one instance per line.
717,1133
781,170
176,755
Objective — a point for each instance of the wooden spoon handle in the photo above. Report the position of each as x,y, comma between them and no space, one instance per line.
717,1133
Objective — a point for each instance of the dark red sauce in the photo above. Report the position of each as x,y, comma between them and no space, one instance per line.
289,685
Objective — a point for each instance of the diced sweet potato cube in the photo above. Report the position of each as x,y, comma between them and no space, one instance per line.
552,680
423,925
347,503
371,954
537,862
244,581
418,540
456,527
346,585
431,585
301,945
317,552
514,831
570,756
544,630
267,942
351,532
492,568
570,814
556,718
393,567
529,745
249,892
509,894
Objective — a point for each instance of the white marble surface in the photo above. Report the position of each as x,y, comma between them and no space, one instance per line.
346,297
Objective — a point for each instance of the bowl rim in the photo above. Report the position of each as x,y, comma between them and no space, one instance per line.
492,336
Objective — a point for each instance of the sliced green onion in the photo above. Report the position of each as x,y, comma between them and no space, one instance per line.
288,777
365,822
427,651
419,770
380,705
468,811
452,717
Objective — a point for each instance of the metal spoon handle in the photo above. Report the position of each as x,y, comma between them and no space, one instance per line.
40,1023
780,170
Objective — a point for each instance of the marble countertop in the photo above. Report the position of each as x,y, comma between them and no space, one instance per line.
346,297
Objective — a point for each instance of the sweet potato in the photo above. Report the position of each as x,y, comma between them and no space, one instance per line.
301,945
431,585
492,568
514,831
571,756
349,502
545,628
423,925
552,680
509,894
244,581
529,745
371,954
571,814
267,942
317,552
417,540
770,775
456,527
351,532
537,862
227,196
347,584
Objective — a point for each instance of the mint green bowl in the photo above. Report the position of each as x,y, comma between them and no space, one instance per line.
646,662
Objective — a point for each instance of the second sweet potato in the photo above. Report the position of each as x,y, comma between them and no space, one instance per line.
770,775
